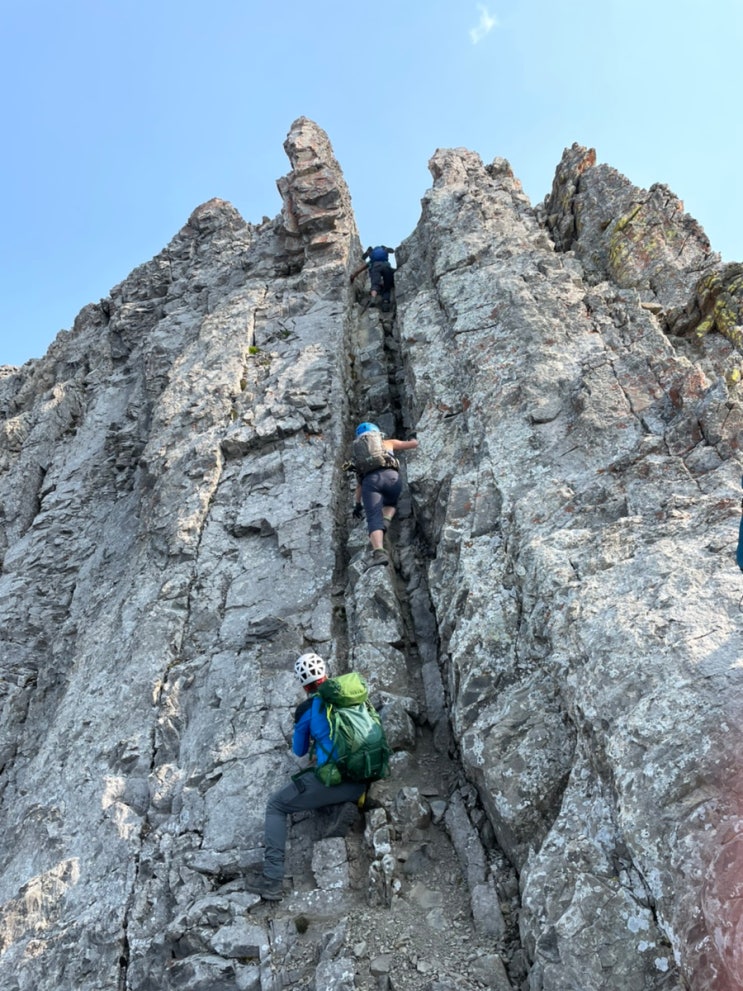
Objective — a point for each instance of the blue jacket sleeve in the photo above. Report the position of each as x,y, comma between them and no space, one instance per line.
301,737
312,725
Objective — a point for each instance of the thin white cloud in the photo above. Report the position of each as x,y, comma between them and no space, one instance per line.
486,25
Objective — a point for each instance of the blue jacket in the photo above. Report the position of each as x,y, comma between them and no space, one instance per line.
311,726
379,254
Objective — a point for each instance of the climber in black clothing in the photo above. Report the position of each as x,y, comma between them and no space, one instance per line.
381,273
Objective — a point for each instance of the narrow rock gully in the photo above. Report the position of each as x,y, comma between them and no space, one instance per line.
417,897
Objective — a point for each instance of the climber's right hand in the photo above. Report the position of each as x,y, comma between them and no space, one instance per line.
358,511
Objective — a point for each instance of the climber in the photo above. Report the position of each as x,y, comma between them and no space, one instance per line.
378,482
305,791
381,273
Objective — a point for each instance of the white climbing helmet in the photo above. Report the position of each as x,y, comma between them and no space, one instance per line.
309,668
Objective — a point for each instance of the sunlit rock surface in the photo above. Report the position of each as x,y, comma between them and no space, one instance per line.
556,650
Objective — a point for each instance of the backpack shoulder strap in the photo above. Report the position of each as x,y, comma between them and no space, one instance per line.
303,706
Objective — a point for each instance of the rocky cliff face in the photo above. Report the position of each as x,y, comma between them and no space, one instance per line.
556,652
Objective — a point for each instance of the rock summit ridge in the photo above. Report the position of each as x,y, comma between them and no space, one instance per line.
554,649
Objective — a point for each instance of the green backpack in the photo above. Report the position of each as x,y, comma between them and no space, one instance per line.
356,731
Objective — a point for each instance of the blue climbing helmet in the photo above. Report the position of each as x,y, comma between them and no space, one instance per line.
365,427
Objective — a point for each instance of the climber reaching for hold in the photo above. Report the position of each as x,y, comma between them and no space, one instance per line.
381,273
378,482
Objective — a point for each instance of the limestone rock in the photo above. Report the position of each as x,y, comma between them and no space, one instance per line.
554,648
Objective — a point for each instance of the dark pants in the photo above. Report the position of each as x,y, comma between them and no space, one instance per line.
302,795
378,489
382,278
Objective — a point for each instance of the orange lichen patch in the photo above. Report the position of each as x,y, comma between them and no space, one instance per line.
575,162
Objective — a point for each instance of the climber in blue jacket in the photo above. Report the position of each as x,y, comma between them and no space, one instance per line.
381,273
305,792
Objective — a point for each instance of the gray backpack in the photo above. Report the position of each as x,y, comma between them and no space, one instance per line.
369,453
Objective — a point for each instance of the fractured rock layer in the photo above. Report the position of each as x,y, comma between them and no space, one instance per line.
555,649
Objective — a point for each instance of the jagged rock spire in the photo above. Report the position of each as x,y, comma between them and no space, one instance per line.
555,648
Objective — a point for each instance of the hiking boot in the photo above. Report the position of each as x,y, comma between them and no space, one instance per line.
379,556
269,888
344,816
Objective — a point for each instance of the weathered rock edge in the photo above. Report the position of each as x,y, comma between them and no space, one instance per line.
174,527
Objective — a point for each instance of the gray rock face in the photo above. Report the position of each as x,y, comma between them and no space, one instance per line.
555,648
591,634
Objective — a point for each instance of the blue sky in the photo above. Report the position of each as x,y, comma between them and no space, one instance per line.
119,117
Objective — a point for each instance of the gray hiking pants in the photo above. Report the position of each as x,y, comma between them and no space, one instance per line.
302,795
